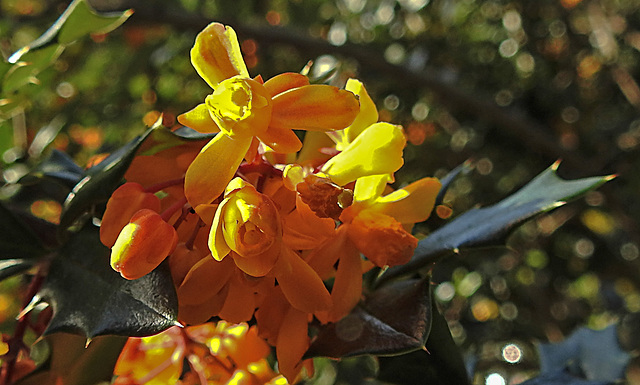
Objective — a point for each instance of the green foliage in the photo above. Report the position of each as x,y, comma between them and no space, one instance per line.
90,299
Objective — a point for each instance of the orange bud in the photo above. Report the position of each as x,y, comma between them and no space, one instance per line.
124,202
142,244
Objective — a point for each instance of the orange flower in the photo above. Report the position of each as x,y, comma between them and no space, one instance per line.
245,110
142,244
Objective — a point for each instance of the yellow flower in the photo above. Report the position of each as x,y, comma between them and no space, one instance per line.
246,110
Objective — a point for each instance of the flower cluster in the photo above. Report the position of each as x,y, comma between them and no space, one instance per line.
255,222
216,354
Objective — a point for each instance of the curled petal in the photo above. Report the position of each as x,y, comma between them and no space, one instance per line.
284,82
315,107
377,150
411,204
124,202
213,168
199,119
302,286
381,239
216,54
260,266
142,244
217,244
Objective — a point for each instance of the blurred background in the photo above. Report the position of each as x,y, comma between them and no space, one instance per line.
511,86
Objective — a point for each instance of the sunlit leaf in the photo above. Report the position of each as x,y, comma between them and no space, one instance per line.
482,225
71,362
91,299
78,20
392,320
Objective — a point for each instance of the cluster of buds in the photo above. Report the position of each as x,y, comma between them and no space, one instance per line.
255,222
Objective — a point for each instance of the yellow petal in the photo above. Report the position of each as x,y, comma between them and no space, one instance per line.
286,81
368,114
281,140
199,119
369,187
377,150
217,243
213,168
315,107
216,54
411,204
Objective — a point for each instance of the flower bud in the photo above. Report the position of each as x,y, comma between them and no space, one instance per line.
142,244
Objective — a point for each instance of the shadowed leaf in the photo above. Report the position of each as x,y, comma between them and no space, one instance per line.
392,320
90,299
482,225
17,241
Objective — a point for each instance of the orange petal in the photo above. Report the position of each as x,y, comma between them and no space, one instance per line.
381,238
213,168
281,140
241,301
300,284
216,54
293,341
197,314
260,265
199,119
347,287
411,204
325,256
316,107
205,279
284,82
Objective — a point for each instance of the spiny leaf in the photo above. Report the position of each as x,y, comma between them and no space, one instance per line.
91,299
440,363
392,320
17,241
482,225
101,180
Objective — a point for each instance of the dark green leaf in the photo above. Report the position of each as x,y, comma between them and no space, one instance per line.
483,225
17,241
71,362
91,299
163,138
392,320
100,181
59,167
441,363
464,168
561,378
11,267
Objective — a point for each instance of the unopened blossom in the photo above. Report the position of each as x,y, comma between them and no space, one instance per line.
142,244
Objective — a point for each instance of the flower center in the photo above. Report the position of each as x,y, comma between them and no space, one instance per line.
240,107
